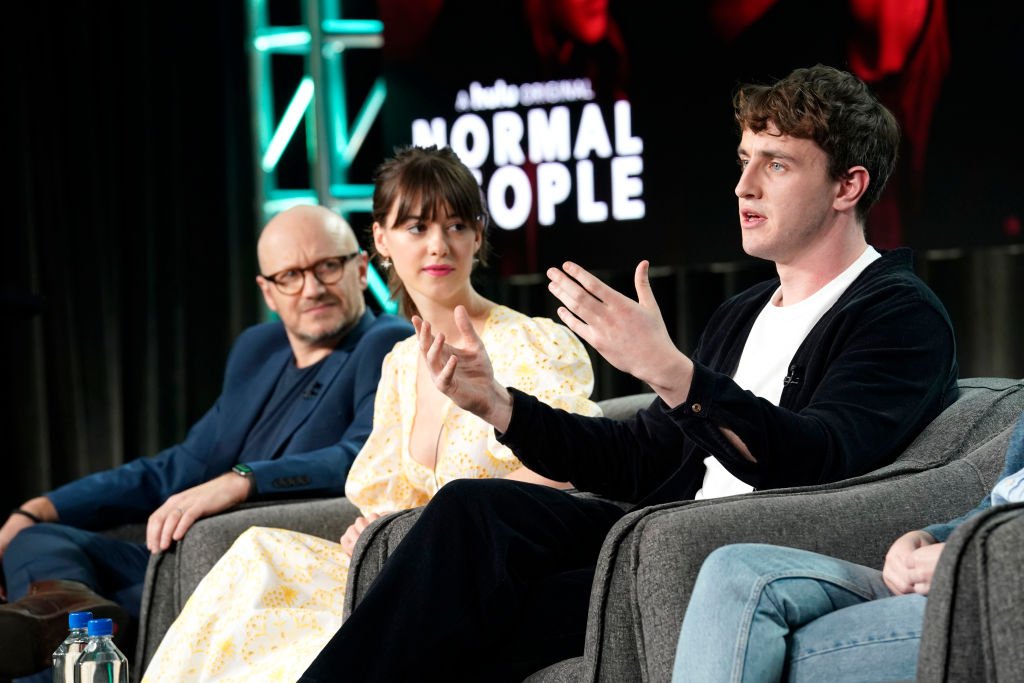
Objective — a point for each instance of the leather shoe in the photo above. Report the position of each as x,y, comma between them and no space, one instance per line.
32,627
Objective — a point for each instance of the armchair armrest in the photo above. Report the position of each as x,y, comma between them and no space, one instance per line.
975,612
373,548
172,576
650,559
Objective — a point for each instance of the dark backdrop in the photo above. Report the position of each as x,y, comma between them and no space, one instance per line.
128,231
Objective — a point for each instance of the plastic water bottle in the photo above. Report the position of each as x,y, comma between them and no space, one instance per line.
66,654
101,661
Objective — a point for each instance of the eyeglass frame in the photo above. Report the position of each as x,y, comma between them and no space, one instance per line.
344,258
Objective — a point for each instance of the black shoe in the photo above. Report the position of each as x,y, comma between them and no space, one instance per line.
31,628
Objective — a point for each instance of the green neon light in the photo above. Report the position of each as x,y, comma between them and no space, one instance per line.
283,40
289,122
364,120
352,27
352,191
279,201
334,35
380,292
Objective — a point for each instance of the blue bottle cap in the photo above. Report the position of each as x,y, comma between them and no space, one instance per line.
101,627
79,619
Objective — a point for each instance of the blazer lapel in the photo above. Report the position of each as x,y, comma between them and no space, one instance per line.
244,408
325,376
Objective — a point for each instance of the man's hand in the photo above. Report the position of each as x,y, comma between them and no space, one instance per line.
910,563
922,564
41,507
171,520
631,335
351,535
463,373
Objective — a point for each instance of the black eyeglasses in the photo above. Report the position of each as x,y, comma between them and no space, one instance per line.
327,272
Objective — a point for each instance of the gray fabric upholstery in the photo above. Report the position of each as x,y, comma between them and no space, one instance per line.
173,575
566,671
975,615
651,557
624,407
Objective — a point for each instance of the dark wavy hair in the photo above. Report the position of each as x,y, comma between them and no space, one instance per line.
426,182
836,110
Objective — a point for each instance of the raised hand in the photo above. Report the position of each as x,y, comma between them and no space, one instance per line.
463,372
631,335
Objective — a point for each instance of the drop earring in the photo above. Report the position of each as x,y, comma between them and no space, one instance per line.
385,263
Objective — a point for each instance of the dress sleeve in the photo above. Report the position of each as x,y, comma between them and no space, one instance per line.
544,359
376,473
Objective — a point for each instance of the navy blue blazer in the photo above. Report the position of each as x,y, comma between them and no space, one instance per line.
323,436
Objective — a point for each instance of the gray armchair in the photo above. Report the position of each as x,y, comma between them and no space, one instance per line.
975,615
651,557
172,576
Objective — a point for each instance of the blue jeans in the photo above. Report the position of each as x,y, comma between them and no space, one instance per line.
768,613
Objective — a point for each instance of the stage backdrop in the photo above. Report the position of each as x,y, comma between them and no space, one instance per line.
603,131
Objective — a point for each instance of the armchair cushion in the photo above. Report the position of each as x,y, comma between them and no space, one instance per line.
172,576
651,557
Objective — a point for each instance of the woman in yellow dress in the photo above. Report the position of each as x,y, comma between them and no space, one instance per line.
275,598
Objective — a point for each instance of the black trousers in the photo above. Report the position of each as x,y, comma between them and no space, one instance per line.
492,583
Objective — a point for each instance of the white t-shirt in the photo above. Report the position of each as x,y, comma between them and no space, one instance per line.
1010,489
773,341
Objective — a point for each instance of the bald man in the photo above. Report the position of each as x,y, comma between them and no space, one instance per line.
296,407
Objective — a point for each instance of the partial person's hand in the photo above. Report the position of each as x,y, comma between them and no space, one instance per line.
355,529
922,564
41,507
899,571
171,520
631,335
463,372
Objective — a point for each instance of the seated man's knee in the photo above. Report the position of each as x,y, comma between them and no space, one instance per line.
733,568
31,541
470,497
734,558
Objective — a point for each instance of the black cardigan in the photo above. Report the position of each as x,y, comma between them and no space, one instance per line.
870,375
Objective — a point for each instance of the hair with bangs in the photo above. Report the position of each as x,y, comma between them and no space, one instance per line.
426,182
837,111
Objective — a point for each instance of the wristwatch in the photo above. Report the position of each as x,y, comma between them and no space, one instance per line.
244,471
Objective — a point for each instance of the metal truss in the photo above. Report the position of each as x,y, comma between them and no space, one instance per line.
316,115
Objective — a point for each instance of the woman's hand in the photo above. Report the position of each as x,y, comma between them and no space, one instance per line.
355,529
463,373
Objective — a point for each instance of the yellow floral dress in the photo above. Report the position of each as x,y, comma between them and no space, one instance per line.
272,602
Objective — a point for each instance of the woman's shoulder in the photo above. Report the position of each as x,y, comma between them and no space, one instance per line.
508,326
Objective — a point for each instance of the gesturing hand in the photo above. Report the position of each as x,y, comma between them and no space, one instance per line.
631,335
463,372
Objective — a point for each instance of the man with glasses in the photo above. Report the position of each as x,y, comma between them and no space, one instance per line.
296,407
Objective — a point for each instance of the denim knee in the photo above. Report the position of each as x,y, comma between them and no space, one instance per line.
737,565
